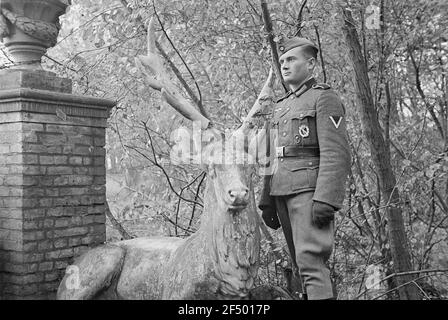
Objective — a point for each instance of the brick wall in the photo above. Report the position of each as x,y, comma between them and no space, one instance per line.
52,187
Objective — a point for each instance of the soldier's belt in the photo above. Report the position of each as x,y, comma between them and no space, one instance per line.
295,151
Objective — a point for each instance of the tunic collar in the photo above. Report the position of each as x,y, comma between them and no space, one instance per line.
308,84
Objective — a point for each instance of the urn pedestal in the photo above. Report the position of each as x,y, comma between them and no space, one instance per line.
29,28
52,158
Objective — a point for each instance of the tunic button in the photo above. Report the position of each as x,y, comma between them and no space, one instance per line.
288,108
281,160
284,121
284,134
301,115
310,163
292,96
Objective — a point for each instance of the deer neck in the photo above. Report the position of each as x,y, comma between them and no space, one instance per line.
233,240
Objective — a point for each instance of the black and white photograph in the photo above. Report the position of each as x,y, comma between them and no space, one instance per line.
237,158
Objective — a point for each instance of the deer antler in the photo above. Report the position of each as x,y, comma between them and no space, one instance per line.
263,104
157,78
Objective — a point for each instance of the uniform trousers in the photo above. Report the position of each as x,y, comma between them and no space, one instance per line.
313,246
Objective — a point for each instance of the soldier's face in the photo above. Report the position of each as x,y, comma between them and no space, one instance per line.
295,67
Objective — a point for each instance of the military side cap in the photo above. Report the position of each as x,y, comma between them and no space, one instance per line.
285,45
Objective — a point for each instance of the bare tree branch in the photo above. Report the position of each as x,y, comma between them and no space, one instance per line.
116,224
406,283
422,94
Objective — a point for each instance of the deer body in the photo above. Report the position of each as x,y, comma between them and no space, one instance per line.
219,261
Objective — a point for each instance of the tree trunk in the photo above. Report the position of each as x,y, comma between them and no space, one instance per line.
381,158
270,38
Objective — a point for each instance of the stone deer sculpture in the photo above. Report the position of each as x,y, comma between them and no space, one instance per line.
219,261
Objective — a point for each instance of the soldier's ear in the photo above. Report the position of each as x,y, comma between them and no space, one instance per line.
312,64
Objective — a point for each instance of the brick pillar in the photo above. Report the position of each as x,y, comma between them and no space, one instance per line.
52,180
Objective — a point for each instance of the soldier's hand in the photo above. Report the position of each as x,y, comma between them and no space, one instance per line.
323,214
270,218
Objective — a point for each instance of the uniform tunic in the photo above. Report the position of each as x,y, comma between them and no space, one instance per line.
314,120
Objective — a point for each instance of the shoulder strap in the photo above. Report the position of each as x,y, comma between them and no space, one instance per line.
322,86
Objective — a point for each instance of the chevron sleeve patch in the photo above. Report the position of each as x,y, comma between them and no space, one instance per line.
336,120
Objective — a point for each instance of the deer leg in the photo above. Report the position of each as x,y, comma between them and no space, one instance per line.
91,273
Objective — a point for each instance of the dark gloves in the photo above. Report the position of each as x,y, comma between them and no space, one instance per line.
267,205
270,218
322,214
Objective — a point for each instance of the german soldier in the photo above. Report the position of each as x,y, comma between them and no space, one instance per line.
312,163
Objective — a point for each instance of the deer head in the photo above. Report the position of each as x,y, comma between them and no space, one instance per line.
227,165
225,157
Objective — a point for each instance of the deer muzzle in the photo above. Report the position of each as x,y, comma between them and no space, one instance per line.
237,198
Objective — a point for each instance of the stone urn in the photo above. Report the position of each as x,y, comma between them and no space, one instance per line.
29,28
